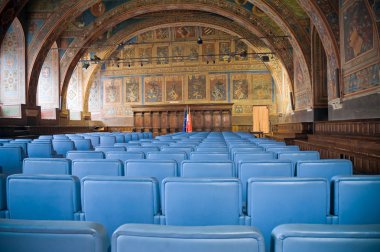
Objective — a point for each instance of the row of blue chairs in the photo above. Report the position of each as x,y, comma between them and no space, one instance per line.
71,236
113,201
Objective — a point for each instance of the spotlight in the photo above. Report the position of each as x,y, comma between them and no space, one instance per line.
85,64
129,64
141,64
265,58
199,40
207,62
213,61
243,54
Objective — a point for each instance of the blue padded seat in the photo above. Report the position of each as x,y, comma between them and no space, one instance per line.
113,201
177,148
207,169
318,237
255,156
201,202
50,137
119,138
148,238
178,156
11,160
149,144
127,137
276,150
43,197
42,141
275,201
23,146
209,156
46,166
3,205
61,147
23,140
324,168
105,167
356,199
127,144
298,155
158,169
110,148
134,136
124,155
85,155
107,140
268,168
47,236
83,144
60,137
95,140
142,149
41,150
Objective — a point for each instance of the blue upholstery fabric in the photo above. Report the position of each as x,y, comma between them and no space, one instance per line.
119,138
60,137
178,156
207,169
106,167
113,201
177,148
23,146
50,137
299,155
356,199
148,238
107,140
201,202
40,150
158,169
95,140
324,168
256,156
109,148
83,144
43,197
269,168
3,200
61,147
209,156
46,166
212,149
11,160
316,238
48,236
143,149
85,155
124,155
275,201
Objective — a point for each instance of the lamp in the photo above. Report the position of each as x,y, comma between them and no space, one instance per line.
199,40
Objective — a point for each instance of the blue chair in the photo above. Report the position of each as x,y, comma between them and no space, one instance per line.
356,199
109,148
212,149
61,147
46,166
158,169
3,200
49,137
318,237
85,155
83,144
11,160
178,156
255,156
60,137
23,146
57,236
324,168
142,149
277,150
124,155
201,202
147,238
41,150
43,197
107,140
275,201
119,138
222,156
298,155
113,201
173,149
268,168
207,169
105,167
95,140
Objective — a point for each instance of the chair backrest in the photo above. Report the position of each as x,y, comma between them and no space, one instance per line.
50,137
324,168
46,166
318,237
85,155
268,168
143,149
43,197
201,202
3,198
105,149
255,156
207,169
107,140
178,156
95,140
113,201
23,146
119,138
147,238
105,167
124,155
57,236
158,169
60,137
275,201
212,149
83,144
173,149
63,146
40,150
209,156
11,160
298,155
356,199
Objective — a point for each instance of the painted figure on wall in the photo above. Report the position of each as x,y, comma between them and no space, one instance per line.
153,90
197,87
128,55
112,92
174,88
224,51
163,55
208,50
240,89
262,87
193,53
178,53
145,55
132,89
241,48
358,30
218,88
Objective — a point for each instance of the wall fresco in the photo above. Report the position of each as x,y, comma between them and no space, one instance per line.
364,79
218,87
112,90
261,90
196,87
240,89
153,87
174,87
132,89
74,93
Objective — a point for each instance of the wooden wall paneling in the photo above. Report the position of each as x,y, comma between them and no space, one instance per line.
207,120
173,121
147,121
164,123
226,120
197,120
180,117
217,120
139,121
156,123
